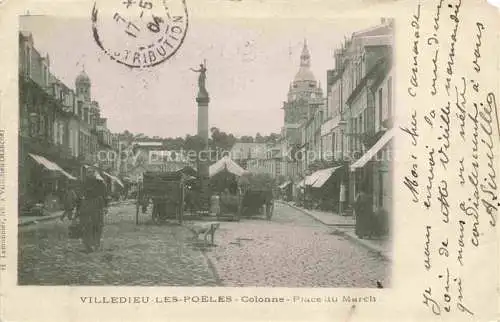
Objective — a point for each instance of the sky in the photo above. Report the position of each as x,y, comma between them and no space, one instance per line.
250,63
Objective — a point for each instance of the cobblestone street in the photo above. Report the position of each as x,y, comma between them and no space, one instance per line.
132,255
291,250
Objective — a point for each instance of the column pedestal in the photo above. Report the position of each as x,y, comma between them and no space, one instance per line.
203,165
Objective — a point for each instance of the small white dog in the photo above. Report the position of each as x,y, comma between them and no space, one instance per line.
207,229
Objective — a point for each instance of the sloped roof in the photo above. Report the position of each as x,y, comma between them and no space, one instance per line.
225,164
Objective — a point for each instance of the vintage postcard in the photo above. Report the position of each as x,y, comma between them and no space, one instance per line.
253,160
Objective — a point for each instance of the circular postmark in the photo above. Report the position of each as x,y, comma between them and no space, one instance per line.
140,33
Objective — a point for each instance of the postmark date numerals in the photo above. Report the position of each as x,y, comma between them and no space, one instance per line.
148,5
155,25
130,25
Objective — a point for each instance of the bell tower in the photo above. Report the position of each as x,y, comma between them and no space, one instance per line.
82,86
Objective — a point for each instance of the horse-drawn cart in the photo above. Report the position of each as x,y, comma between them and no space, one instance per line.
166,190
256,195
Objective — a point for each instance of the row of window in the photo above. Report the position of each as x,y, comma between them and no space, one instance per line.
361,123
87,145
268,166
352,76
58,132
28,66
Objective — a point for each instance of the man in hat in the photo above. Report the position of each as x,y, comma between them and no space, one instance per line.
92,208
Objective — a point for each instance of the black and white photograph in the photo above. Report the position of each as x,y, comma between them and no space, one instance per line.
157,148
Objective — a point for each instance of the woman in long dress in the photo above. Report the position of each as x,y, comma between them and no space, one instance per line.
92,208
363,212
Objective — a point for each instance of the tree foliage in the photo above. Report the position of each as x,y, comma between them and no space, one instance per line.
218,141
221,140
246,139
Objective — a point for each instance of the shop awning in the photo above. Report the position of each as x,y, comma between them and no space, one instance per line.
361,162
113,178
311,179
49,165
99,177
285,184
323,176
119,182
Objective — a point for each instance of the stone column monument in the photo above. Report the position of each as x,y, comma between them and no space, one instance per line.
202,99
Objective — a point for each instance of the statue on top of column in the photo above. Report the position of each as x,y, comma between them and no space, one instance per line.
202,78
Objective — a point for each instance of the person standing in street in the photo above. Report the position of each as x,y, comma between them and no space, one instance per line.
69,203
92,209
342,197
363,213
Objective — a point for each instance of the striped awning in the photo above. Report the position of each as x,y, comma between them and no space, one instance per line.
311,179
49,165
372,152
323,176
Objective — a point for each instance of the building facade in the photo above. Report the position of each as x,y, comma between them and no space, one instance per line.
348,133
140,156
361,101
57,127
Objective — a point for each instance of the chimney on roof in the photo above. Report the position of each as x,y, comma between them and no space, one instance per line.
382,21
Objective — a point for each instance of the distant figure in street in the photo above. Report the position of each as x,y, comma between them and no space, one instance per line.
92,208
188,199
142,200
342,198
69,203
363,213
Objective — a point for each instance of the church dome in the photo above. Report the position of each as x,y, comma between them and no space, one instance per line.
304,74
83,78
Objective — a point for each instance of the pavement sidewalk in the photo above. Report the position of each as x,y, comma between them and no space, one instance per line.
28,220
382,246
326,218
345,225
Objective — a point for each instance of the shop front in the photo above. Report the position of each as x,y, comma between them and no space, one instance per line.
42,184
372,174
